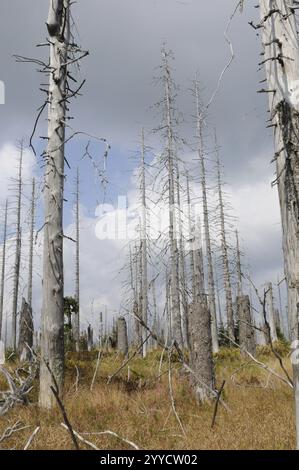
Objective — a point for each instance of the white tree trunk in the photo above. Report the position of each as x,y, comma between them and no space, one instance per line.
76,316
3,266
17,256
144,280
281,60
174,256
31,242
225,260
52,344
211,282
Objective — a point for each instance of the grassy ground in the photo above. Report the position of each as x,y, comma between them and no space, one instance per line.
139,407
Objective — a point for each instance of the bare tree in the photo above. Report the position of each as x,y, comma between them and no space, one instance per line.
271,312
3,266
225,259
170,154
211,282
31,244
143,243
52,344
281,61
76,316
17,263
122,336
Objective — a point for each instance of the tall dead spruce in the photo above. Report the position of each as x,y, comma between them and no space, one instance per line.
17,264
211,282
169,157
63,53
3,266
281,62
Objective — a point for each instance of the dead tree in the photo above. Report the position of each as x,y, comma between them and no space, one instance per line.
170,157
26,332
143,245
3,266
239,268
201,357
52,344
89,338
211,282
246,328
76,316
122,336
31,244
182,266
281,61
271,313
17,263
225,259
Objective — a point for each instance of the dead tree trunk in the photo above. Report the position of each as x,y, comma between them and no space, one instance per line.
17,264
225,260
89,338
170,151
3,266
26,332
52,344
211,282
271,312
246,329
201,357
182,267
122,336
144,281
76,316
281,60
31,242
239,268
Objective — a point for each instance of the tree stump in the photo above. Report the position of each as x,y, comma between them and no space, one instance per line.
122,336
246,330
201,356
26,332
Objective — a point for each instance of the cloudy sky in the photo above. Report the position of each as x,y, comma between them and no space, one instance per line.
124,38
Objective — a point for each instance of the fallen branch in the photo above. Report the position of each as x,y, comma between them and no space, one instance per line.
111,433
216,404
31,438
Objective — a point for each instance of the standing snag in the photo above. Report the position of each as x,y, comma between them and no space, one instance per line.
201,356
246,329
52,341
122,336
26,331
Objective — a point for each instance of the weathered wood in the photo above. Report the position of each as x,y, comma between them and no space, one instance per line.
26,332
52,344
122,336
201,356
246,328
281,61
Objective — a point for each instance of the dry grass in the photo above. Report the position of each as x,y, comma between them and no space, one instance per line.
139,409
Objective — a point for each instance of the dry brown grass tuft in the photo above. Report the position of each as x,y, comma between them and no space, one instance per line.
139,409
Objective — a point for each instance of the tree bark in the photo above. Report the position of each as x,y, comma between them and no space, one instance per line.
122,336
201,357
271,312
281,60
246,329
76,316
26,332
52,344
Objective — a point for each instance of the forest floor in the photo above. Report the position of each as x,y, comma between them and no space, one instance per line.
137,406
